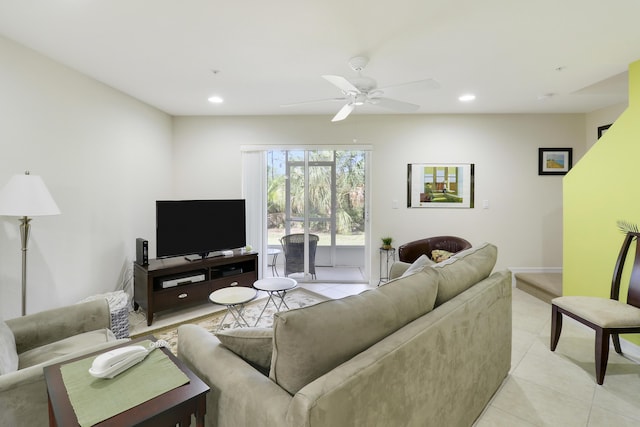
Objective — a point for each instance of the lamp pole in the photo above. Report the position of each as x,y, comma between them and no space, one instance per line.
25,228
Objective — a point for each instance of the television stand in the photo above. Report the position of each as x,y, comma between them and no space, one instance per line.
239,269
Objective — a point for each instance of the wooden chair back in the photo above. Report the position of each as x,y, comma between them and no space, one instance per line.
633,294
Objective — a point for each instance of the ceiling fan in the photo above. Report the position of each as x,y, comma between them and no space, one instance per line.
362,90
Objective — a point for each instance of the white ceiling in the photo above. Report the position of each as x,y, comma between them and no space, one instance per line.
273,52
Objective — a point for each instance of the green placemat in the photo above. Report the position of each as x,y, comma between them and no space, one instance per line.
96,399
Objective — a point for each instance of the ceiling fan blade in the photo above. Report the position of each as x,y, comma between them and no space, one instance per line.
313,101
341,83
424,84
392,104
344,112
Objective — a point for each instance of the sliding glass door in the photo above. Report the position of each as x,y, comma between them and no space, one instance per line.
316,212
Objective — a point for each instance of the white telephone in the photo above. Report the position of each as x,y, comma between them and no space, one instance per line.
118,360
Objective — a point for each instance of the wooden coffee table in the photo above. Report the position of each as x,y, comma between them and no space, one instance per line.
169,409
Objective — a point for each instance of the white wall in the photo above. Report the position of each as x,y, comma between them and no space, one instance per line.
105,158
525,215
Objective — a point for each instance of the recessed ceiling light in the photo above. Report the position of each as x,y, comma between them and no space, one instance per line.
467,97
216,99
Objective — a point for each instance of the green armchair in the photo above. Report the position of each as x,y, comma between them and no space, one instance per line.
42,339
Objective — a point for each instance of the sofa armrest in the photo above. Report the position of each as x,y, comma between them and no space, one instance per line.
240,395
45,327
397,269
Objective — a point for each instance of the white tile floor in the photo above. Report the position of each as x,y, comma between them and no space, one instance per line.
558,388
546,388
325,274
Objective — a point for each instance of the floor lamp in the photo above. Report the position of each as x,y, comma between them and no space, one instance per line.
26,196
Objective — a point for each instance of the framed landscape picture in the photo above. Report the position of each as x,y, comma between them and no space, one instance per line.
554,161
435,185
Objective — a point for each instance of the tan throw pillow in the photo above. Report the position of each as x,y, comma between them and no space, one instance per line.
311,341
464,269
8,353
439,255
254,345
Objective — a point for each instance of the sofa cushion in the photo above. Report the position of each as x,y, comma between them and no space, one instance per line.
463,269
254,345
8,353
310,341
418,265
66,346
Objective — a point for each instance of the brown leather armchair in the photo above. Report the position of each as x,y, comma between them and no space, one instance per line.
411,251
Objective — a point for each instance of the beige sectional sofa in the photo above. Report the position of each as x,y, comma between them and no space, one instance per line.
426,349
43,339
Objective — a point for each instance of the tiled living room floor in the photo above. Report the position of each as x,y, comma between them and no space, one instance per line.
558,388
547,388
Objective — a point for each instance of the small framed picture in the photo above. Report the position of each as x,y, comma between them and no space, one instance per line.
602,130
554,161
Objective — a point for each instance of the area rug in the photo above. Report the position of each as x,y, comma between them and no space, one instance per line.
295,299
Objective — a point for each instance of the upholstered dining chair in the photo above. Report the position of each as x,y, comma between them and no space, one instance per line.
608,317
409,252
293,249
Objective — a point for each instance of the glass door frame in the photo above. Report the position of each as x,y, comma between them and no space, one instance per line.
260,222
306,164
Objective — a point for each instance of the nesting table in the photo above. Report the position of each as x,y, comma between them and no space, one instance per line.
234,298
277,288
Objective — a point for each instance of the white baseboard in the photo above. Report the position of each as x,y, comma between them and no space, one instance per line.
516,270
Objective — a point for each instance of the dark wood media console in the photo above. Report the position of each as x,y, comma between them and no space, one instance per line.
241,269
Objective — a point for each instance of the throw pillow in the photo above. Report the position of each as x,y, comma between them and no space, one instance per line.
463,270
8,353
254,345
311,341
439,255
418,265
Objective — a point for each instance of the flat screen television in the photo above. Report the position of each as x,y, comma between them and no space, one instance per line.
199,227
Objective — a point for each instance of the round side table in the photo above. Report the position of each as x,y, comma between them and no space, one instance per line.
277,288
273,252
234,299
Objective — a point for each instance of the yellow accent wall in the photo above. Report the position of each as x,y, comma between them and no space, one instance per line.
602,188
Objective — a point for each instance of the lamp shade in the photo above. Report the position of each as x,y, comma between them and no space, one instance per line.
27,195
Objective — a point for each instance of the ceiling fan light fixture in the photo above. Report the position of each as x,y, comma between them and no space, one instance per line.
359,99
